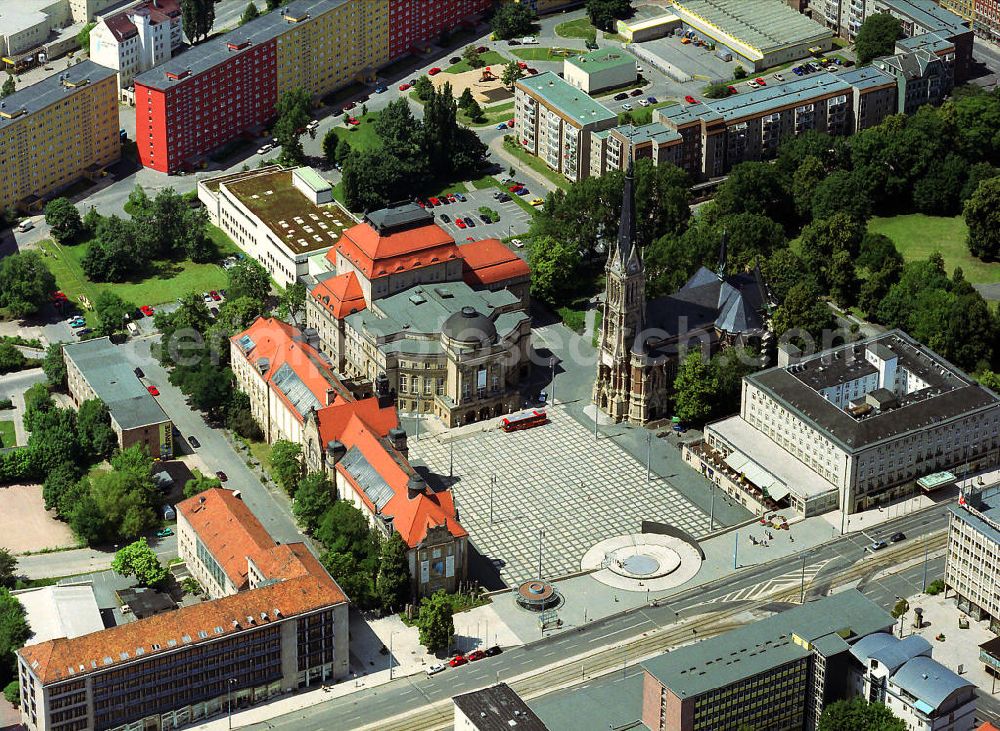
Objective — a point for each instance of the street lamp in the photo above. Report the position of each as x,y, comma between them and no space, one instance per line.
552,367
391,635
229,700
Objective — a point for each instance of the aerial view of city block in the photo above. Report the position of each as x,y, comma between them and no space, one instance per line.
500,365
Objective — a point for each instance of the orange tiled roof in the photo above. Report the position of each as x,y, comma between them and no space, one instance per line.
333,420
340,295
987,727
63,659
488,261
378,255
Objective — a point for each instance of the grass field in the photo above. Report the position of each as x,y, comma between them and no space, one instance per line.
580,28
165,283
917,236
536,164
492,115
490,58
361,136
643,115
7,436
544,54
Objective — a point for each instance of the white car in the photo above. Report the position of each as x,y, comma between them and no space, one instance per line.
529,41
753,84
627,107
313,124
518,243
25,225
436,668
779,77
264,149
643,103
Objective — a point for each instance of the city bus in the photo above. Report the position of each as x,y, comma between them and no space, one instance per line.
524,420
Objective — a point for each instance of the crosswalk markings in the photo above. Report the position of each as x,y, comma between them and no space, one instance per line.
774,585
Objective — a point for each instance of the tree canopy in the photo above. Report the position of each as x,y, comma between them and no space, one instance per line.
139,560
286,465
857,714
877,37
25,283
603,14
512,20
63,219
436,621
982,215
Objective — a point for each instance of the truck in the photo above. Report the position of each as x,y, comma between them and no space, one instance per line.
724,54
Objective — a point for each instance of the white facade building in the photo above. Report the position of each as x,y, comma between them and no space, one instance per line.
603,69
137,39
972,570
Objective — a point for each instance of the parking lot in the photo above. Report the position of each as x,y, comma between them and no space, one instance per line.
702,64
513,218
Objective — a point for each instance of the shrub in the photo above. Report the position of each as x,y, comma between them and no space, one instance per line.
935,587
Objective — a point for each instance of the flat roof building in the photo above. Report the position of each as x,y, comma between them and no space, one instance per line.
494,708
60,611
598,70
921,17
96,369
972,568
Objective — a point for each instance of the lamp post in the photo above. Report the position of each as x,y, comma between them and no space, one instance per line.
552,378
391,635
649,445
493,482
229,700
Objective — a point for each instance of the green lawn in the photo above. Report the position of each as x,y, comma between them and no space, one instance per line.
536,164
490,58
7,436
544,54
361,136
580,28
643,115
165,283
917,236
492,115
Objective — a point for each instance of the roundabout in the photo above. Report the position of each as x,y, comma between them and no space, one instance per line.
642,562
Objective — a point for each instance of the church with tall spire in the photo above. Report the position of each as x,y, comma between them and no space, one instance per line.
643,341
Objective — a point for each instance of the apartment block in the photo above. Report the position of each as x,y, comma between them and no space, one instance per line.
413,24
96,369
972,569
57,131
983,15
554,121
137,39
920,17
924,70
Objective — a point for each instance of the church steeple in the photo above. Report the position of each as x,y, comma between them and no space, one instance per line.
723,255
626,227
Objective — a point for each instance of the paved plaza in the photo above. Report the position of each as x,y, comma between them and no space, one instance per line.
557,479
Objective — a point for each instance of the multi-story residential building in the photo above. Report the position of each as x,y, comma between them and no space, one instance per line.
96,369
57,131
273,216
231,84
612,149
554,121
776,673
874,96
599,70
923,69
447,324
137,39
920,17
543,7
972,570
842,16
900,674
983,15
853,426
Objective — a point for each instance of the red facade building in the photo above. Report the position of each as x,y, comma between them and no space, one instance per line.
413,23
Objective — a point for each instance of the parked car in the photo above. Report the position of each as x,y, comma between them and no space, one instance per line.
436,668
779,77
380,89
529,41
515,187
138,372
434,201
460,223
797,70
475,655
897,537
469,222
620,96
313,124
518,243
455,59
481,49
760,81
461,197
591,45
502,125
404,87
732,89
26,225
349,106
458,661
536,201
84,331
690,99
523,191
153,390
510,123
643,103
627,107
434,71
164,532
493,651
215,296
446,218
223,477
193,441
147,310
264,149
635,92
206,297
513,42
651,99
753,84
77,324
503,198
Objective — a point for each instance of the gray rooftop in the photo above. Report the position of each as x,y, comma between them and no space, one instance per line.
865,77
982,512
52,89
930,682
931,42
950,394
927,14
498,708
398,216
211,53
768,644
605,58
606,702
654,131
566,98
889,650
115,383
765,25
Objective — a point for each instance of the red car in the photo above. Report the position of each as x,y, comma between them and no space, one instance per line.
460,223
458,661
760,81
732,89
476,655
510,123
215,295
58,296
153,390
147,310
522,65
434,201
434,71
515,187
349,106
690,99
404,87
354,121
451,198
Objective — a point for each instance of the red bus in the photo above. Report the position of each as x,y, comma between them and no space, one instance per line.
524,420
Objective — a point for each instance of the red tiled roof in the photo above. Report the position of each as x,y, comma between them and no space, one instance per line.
987,727
488,261
378,255
333,420
122,26
63,659
340,295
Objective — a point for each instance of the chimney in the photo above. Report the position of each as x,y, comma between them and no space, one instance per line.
331,396
335,452
397,437
415,486
383,392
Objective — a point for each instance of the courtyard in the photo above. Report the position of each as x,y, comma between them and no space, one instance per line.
554,483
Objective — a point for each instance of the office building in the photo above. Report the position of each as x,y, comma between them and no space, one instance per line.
758,33
972,568
494,708
286,629
554,121
135,40
96,369
447,324
900,674
852,426
599,70
922,17
56,132
231,84
272,214
775,673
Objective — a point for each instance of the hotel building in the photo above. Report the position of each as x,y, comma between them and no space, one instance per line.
57,131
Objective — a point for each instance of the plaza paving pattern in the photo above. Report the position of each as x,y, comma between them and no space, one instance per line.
554,478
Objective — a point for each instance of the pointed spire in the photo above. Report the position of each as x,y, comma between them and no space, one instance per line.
626,229
723,254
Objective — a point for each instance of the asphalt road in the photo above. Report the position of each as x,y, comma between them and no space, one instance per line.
375,705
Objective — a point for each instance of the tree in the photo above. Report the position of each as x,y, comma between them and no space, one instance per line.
286,464
604,13
37,402
716,91
8,569
199,483
754,187
982,216
251,13
113,313
351,576
314,496
25,283
134,460
473,111
695,387
83,37
11,359
14,632
803,314
138,202
197,18
512,20
857,714
121,505
823,238
249,279
554,270
139,560
12,692
91,220
344,529
331,146
471,56
8,87
511,73
841,192
93,422
466,98
739,72
292,301
293,116
423,88
117,253
938,191
877,37
392,583
435,621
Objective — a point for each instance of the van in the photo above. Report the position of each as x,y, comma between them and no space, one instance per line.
25,225
529,41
